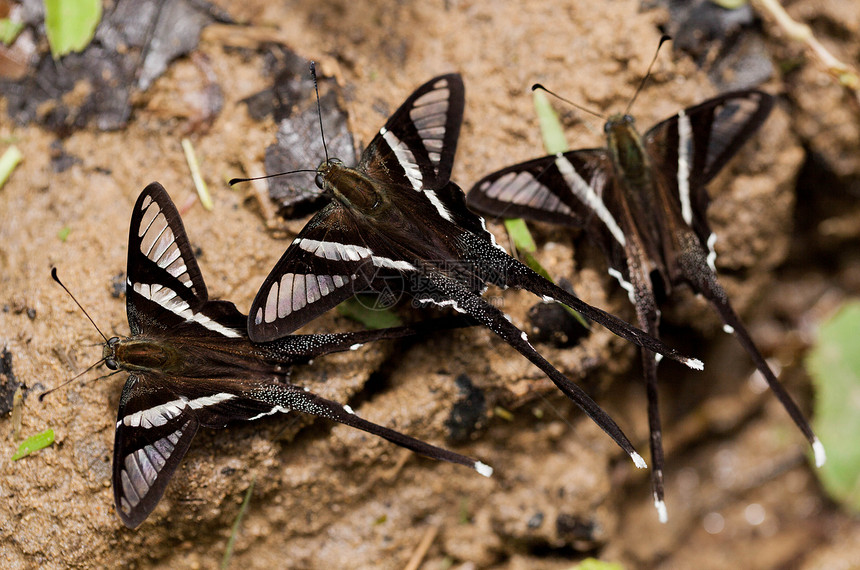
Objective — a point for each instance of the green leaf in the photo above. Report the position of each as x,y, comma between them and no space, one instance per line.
34,443
63,234
8,162
9,30
362,308
834,364
550,127
71,24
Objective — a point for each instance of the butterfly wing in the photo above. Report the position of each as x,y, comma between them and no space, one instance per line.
691,148
330,260
153,433
575,189
157,421
165,289
416,146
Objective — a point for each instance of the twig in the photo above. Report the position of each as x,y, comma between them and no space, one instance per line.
422,548
844,73
199,183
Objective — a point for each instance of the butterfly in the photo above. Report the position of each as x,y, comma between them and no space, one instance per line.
191,364
397,223
642,200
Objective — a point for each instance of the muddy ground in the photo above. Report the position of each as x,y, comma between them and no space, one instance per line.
741,492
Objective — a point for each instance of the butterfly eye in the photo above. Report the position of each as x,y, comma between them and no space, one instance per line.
111,363
628,119
318,180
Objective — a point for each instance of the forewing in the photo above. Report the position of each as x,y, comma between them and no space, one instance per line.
416,146
574,189
319,270
690,148
165,290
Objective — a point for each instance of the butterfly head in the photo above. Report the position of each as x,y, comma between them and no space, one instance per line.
325,169
618,122
109,353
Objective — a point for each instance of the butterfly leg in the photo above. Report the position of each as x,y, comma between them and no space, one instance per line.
703,280
443,291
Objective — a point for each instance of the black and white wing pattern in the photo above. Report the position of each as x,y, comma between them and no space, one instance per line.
165,289
191,363
575,189
319,270
692,147
656,222
399,216
159,416
416,146
330,260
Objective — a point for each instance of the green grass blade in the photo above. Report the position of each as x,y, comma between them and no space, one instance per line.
520,235
550,127
196,175
228,552
8,162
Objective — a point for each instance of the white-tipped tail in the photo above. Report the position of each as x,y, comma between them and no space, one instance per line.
637,459
695,363
483,469
661,510
818,450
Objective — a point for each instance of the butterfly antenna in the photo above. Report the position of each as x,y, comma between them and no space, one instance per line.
663,39
66,289
70,380
568,101
234,181
319,107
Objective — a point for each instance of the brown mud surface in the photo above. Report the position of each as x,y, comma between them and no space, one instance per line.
741,492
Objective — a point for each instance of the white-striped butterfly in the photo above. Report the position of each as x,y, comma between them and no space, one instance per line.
642,200
397,222
191,364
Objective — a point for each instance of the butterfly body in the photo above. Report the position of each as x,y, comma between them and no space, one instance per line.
396,222
191,364
642,200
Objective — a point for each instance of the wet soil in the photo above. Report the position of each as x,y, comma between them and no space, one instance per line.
741,492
